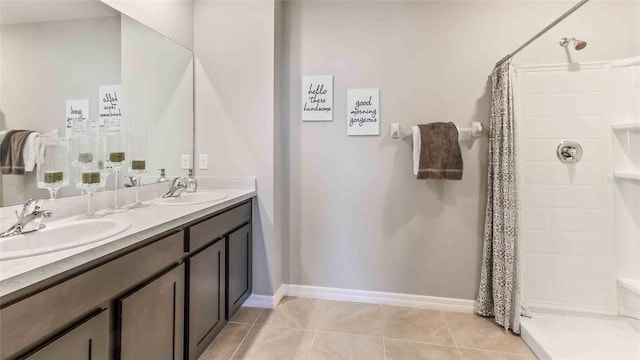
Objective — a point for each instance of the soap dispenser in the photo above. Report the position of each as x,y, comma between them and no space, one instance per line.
192,183
163,177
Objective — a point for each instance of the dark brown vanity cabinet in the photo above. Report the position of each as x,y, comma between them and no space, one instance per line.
151,319
214,246
88,340
206,296
239,269
166,297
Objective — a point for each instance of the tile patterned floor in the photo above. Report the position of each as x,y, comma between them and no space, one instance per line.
332,330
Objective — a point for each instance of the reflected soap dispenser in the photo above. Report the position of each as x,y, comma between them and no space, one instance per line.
192,183
163,176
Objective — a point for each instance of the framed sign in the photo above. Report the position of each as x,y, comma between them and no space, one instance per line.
363,112
317,98
109,107
76,117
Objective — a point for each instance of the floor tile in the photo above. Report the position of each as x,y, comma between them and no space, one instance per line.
350,317
266,342
298,313
226,342
419,325
407,350
246,315
472,354
477,332
335,346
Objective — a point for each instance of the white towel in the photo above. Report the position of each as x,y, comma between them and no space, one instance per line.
415,131
31,147
30,151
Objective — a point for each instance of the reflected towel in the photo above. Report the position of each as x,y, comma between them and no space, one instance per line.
30,152
440,156
415,133
12,152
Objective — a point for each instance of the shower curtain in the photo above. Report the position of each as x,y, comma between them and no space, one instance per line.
500,293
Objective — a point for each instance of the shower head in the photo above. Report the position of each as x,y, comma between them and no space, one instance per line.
578,44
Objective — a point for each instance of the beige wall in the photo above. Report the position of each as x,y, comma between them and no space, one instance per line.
346,212
358,217
636,28
171,18
236,112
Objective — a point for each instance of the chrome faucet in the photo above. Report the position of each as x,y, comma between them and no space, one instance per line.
29,219
176,188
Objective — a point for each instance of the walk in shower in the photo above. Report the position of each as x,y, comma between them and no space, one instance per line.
577,126
581,219
577,145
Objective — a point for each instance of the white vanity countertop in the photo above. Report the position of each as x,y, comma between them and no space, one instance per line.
147,222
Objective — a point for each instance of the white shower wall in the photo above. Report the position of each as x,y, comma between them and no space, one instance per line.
569,252
625,77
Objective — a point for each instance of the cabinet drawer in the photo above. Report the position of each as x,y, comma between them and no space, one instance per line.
56,307
209,230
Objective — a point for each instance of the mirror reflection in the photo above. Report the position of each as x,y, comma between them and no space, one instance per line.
76,71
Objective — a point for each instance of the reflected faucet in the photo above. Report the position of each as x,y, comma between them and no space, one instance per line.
29,219
176,188
133,182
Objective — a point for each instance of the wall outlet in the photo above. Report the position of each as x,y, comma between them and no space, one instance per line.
203,162
186,161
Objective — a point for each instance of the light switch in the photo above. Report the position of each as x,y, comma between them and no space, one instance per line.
186,161
203,162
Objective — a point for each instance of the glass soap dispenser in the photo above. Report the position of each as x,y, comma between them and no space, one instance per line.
192,183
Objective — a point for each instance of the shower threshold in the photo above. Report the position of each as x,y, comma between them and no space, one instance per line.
556,336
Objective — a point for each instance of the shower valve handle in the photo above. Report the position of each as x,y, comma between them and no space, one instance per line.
569,152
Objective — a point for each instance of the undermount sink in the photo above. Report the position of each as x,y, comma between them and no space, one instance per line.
56,237
199,197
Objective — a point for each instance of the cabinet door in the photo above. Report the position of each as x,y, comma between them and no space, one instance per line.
206,297
238,269
87,341
152,319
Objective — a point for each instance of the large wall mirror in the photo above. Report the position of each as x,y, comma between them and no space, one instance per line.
60,58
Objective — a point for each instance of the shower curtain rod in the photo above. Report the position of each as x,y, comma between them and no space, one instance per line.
554,23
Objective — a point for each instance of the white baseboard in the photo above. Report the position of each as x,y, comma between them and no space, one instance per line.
630,313
363,296
264,301
540,306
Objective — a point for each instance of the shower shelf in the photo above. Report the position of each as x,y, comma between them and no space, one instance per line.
633,175
626,126
630,284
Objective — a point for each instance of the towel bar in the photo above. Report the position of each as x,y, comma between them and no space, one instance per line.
464,133
474,131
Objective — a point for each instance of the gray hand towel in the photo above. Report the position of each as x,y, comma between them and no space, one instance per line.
440,156
12,152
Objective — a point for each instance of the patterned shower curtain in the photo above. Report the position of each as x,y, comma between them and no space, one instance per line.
500,286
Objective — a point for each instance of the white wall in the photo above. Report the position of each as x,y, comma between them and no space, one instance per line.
626,157
236,113
172,18
43,64
358,217
567,209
